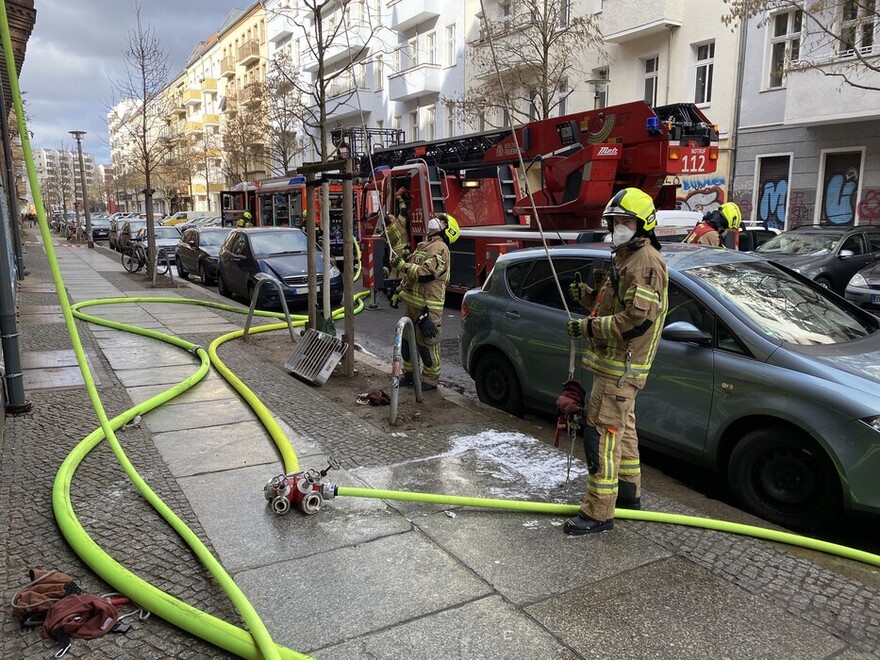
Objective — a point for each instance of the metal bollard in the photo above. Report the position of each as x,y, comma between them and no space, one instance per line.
264,278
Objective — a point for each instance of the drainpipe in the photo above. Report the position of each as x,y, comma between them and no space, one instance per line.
737,107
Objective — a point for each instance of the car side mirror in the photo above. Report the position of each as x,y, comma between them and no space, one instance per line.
686,332
844,254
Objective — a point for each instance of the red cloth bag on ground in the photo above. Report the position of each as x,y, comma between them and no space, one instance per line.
82,616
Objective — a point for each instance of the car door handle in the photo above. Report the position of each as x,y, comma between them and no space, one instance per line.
512,314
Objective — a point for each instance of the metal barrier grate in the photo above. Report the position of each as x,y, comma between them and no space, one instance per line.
315,357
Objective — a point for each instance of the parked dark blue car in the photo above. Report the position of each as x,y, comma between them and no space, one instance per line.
276,251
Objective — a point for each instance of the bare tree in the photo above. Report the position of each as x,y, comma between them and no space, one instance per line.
285,125
244,133
334,85
203,150
833,37
146,66
525,63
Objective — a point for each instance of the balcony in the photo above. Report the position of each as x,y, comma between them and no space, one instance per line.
249,52
209,85
840,102
622,24
412,83
251,94
369,102
211,120
227,67
192,97
407,14
193,127
338,52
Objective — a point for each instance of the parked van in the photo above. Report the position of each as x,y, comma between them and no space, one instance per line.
186,216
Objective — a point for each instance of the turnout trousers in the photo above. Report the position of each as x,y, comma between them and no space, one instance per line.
611,446
429,349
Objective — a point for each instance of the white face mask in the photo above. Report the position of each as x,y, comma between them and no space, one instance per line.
622,234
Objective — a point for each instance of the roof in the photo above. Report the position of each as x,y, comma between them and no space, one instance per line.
22,16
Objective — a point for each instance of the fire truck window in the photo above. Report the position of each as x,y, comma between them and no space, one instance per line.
538,284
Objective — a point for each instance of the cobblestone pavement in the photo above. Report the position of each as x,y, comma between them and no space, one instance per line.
817,611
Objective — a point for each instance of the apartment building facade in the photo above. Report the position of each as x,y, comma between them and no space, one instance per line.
58,172
808,148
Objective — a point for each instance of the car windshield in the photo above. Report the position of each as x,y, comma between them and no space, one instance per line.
794,242
212,238
166,232
782,307
100,222
278,242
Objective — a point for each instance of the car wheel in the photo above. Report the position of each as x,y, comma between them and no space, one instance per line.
222,288
181,271
497,384
823,282
203,273
778,475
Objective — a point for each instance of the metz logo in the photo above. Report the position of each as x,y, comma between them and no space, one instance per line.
608,151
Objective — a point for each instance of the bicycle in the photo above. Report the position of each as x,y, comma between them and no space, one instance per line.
134,258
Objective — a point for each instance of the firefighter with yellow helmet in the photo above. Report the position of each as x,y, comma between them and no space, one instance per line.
622,331
246,220
711,229
423,289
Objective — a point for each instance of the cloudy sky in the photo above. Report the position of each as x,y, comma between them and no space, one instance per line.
75,54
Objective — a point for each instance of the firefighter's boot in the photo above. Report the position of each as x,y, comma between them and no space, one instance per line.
626,496
582,524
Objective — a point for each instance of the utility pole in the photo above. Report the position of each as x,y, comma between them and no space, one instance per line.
82,184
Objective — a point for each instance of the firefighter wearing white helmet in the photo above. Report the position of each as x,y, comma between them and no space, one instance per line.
423,289
622,332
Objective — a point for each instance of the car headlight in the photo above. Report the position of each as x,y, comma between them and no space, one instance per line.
873,422
858,280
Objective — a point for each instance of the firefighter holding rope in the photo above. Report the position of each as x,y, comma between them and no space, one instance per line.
622,331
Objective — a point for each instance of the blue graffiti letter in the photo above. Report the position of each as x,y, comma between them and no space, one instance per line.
771,207
839,207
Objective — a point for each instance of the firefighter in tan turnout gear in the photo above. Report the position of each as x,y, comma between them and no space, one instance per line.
423,289
711,229
622,331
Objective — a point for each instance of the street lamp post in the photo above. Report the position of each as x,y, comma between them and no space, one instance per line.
82,184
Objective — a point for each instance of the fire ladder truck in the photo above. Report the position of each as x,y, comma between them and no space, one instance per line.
572,165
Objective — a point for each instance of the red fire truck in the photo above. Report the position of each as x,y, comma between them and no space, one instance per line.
571,164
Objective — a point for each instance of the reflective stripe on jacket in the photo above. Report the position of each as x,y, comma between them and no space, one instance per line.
628,318
426,274
704,234
395,233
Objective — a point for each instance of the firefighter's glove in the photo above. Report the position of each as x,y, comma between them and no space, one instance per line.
578,290
395,300
574,328
426,325
398,262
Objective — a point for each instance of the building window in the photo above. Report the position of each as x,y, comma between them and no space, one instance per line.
431,123
395,122
450,120
773,191
414,126
840,187
564,13
431,48
379,72
785,44
652,70
600,88
705,69
413,50
857,27
449,59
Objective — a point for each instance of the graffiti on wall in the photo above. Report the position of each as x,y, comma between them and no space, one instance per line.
839,197
701,194
771,203
869,207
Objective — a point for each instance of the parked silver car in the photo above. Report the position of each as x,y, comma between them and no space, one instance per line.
763,376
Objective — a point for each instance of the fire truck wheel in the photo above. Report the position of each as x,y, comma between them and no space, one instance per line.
498,385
